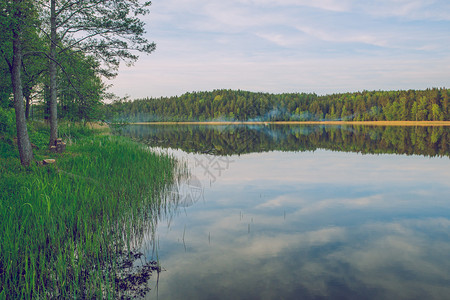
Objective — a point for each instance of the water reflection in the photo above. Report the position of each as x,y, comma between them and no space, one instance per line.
240,139
186,191
308,225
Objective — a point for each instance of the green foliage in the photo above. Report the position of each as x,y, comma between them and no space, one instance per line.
92,38
81,88
33,65
64,226
7,148
5,84
229,105
74,131
39,134
8,144
110,31
7,122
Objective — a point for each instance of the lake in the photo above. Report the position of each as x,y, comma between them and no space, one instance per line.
303,212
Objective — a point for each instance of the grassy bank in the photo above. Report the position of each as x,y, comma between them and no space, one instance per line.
65,227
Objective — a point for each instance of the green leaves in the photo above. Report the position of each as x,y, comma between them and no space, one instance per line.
231,105
111,31
7,121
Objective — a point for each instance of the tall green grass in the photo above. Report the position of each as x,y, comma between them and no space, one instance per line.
63,227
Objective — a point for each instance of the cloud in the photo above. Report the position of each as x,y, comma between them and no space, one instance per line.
321,75
264,246
344,37
433,10
282,39
292,46
354,226
331,5
400,259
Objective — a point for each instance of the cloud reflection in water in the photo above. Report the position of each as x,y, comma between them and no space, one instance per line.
285,225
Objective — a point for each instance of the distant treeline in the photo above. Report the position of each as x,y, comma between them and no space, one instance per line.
237,105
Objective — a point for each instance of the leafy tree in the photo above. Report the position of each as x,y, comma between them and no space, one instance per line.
422,111
5,52
110,31
34,67
81,88
414,110
17,18
437,113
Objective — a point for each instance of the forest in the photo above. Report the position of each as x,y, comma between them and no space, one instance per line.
237,105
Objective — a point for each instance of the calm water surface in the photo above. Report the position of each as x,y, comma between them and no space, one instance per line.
294,216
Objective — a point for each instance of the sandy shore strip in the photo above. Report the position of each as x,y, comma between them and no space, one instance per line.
369,123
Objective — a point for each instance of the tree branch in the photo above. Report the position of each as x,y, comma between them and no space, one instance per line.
67,19
77,42
65,73
7,61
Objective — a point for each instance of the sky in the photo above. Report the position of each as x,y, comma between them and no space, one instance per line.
276,46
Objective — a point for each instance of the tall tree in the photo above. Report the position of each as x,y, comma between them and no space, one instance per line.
16,15
5,52
110,30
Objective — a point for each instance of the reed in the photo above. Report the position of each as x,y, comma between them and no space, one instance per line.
65,227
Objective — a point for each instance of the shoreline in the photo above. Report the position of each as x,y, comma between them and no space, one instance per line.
93,189
370,123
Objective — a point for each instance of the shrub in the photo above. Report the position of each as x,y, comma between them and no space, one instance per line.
7,122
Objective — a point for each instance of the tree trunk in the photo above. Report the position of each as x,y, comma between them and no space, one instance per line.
23,140
27,105
52,71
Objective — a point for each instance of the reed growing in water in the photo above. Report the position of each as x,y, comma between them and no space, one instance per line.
65,227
